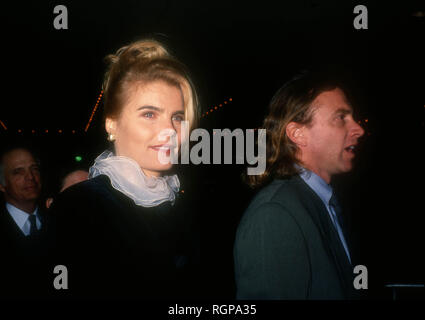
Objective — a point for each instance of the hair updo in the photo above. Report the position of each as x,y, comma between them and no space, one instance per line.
143,62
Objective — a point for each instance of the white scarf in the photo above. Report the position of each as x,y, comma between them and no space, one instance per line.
127,177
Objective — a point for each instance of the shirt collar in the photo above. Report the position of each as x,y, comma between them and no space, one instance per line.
18,215
319,186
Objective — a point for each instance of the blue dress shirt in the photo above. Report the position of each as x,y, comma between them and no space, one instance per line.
324,191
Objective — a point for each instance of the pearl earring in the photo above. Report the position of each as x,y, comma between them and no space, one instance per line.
111,137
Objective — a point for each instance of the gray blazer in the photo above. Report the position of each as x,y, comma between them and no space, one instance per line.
287,248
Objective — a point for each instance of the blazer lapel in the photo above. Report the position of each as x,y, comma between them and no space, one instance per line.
333,245
10,226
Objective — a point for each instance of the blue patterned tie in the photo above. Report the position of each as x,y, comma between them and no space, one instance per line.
333,202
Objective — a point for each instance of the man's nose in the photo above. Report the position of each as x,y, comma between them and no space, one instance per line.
357,130
30,175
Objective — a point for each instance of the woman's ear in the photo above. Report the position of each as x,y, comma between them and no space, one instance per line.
295,132
110,126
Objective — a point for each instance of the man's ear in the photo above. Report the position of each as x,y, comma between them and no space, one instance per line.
110,126
296,133
49,202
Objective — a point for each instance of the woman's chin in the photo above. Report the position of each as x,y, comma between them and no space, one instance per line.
158,170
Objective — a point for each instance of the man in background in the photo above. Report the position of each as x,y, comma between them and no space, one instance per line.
23,226
71,178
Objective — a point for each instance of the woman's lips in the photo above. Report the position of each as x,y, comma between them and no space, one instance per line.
164,148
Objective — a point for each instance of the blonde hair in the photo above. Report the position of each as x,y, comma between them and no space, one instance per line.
145,61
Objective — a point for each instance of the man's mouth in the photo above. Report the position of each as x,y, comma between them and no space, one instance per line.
31,188
351,148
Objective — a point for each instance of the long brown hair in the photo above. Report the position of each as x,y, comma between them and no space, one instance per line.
291,103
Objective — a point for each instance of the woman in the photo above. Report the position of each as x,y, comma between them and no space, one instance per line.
119,233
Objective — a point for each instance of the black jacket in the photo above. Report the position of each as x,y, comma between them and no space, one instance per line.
24,266
287,248
114,248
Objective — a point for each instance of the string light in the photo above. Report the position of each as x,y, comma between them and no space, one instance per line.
212,109
47,131
94,110
3,125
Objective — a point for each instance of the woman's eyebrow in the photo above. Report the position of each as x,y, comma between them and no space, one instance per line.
179,112
150,108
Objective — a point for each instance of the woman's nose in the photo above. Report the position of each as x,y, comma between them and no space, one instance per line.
167,131
170,124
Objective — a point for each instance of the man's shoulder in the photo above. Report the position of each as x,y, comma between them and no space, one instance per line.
5,218
284,192
93,187
281,199
87,193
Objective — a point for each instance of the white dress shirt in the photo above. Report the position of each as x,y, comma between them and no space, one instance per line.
22,218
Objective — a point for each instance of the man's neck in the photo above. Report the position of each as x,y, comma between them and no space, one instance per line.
28,207
321,173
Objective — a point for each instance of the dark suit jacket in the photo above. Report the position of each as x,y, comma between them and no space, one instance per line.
24,270
114,248
287,248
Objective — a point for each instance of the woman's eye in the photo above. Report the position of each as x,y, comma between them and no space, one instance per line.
178,118
148,115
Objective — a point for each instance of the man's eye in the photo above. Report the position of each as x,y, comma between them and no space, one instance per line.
341,117
17,171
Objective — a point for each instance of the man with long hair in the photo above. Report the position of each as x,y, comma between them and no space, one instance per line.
291,242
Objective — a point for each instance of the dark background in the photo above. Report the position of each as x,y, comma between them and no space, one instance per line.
245,51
